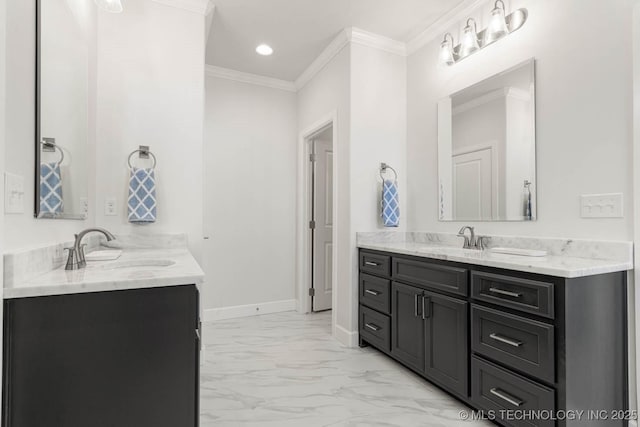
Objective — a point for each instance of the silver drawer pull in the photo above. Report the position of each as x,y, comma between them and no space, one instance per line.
505,340
371,263
503,292
373,327
370,292
506,397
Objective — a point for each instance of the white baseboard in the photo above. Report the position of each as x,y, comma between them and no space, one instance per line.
346,338
237,311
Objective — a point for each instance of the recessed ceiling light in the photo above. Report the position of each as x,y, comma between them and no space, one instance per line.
264,49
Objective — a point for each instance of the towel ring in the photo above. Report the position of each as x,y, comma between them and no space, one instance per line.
49,146
383,169
142,152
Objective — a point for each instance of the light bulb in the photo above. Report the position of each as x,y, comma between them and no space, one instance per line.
113,6
446,50
469,42
497,24
264,50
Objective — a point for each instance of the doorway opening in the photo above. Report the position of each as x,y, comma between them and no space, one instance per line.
321,218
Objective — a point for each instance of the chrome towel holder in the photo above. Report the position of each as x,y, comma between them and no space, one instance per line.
49,146
144,154
383,169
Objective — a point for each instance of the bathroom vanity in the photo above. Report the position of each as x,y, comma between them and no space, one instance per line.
114,344
497,335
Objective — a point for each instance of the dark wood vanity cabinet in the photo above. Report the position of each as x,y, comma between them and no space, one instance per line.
501,341
102,359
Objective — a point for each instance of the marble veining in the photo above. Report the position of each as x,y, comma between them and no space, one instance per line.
566,257
141,265
286,370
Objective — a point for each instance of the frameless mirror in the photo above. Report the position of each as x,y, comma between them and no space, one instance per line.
65,31
487,149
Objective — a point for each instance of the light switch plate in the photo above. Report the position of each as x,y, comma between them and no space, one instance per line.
110,206
13,193
601,205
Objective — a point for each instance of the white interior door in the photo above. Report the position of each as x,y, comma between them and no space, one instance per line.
323,217
472,185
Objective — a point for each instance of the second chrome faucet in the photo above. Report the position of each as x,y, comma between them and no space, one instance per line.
472,241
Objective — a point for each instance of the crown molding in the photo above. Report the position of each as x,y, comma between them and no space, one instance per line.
202,7
254,79
329,52
443,24
376,41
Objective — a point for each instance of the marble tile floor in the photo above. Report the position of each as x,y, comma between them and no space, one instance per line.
285,370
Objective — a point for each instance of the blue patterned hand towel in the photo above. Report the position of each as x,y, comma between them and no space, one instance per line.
142,195
51,201
390,205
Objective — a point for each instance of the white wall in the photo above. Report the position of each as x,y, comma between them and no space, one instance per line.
583,99
367,89
22,230
151,92
326,93
250,187
378,134
3,22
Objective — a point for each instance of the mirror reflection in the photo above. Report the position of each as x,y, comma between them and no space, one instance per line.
486,149
65,33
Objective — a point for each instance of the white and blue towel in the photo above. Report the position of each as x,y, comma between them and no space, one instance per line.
390,205
142,195
51,201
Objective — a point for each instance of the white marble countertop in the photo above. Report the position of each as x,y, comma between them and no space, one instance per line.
120,274
554,264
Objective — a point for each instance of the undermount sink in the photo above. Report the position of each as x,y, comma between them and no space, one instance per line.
140,263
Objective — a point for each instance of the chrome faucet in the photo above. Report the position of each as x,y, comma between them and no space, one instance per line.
473,241
468,242
76,258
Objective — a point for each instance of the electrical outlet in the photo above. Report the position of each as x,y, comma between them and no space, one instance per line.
13,193
84,205
601,205
110,206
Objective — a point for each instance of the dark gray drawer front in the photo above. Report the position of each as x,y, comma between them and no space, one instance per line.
520,294
519,343
433,276
375,264
375,328
375,292
496,389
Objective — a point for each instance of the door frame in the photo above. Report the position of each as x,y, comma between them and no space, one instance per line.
304,195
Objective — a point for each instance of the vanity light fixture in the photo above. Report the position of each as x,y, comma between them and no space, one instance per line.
497,24
446,50
473,41
264,50
113,6
469,39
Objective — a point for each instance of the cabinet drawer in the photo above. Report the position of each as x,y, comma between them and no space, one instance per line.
375,328
375,264
434,276
375,293
526,295
496,389
519,343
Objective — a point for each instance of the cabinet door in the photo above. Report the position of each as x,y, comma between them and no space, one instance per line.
102,359
446,355
408,333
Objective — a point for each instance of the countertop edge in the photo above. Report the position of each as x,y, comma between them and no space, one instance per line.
607,266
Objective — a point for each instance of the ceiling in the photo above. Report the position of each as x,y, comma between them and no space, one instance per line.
298,30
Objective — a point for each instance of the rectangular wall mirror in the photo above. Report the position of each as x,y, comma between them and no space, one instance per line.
487,149
65,33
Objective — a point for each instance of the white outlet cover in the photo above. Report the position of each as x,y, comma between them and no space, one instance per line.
110,206
13,193
608,205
